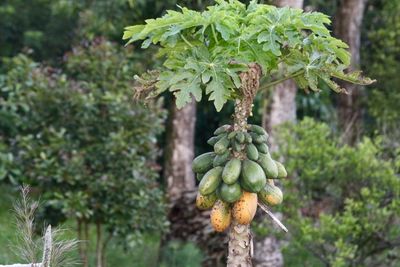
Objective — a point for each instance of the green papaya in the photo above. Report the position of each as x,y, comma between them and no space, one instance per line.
282,173
213,140
205,202
252,176
199,176
262,148
237,146
240,137
248,138
203,163
221,146
221,159
258,139
222,129
270,195
231,171
210,181
258,130
268,165
230,193
232,135
252,152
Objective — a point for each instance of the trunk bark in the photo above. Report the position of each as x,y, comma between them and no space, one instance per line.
180,151
347,27
240,240
281,109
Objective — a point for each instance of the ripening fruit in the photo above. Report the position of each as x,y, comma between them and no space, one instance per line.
271,195
220,216
245,208
205,202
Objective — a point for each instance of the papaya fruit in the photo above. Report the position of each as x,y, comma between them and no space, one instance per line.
221,159
231,171
199,176
248,138
232,135
263,148
220,216
240,137
257,129
210,181
268,165
203,163
213,140
251,152
237,146
282,173
252,176
258,139
221,146
230,193
270,195
245,208
205,202
222,129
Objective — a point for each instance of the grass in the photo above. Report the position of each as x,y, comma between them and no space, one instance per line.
145,254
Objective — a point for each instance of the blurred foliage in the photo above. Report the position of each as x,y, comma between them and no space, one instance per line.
177,254
381,56
342,205
78,138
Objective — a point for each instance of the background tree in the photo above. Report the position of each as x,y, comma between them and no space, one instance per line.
84,145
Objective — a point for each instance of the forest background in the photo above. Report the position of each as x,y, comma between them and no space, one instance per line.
98,160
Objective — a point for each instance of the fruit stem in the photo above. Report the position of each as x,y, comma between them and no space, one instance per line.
240,239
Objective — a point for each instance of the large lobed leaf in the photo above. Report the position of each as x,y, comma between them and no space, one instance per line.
205,51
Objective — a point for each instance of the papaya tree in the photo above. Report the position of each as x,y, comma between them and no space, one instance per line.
223,53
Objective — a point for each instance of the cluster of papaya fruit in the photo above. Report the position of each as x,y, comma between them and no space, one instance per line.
236,175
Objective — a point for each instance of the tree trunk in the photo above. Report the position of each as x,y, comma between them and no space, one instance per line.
180,151
240,239
99,245
281,109
347,27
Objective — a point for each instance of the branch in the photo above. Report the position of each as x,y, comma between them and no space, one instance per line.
281,80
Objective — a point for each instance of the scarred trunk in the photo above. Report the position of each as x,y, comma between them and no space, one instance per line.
280,109
347,27
240,239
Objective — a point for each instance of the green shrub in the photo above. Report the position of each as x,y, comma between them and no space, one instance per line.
342,203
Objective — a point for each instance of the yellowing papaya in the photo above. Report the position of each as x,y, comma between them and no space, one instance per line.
268,165
220,216
245,208
282,173
203,163
270,195
230,193
231,171
210,181
205,202
252,176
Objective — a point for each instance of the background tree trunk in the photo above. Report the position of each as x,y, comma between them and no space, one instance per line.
180,151
281,109
347,26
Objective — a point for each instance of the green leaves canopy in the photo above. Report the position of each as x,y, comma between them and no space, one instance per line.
207,50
